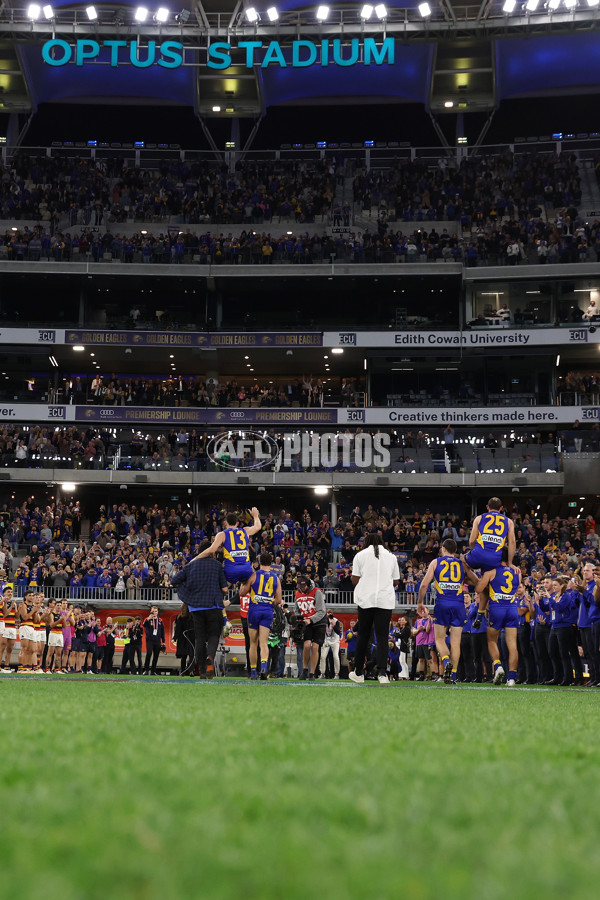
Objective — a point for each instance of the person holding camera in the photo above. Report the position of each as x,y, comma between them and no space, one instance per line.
310,604
155,640
333,636
351,637
297,636
133,646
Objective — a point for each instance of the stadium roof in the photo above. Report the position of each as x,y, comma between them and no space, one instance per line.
469,55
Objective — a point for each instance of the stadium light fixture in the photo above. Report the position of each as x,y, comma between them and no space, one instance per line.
366,12
531,5
321,490
553,4
272,13
251,14
216,109
449,104
322,13
182,17
425,10
381,11
570,4
593,2
48,12
68,486
91,13
141,14
162,14
509,6
33,11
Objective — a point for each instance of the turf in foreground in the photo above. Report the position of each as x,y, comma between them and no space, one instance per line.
225,791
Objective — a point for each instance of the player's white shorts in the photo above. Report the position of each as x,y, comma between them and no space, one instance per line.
55,640
41,636
2,628
27,633
10,634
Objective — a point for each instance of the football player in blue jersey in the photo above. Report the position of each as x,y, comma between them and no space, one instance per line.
491,533
448,574
264,588
503,613
235,543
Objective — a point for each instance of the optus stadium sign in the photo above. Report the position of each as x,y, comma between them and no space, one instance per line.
299,54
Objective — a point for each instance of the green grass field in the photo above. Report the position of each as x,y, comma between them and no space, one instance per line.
151,789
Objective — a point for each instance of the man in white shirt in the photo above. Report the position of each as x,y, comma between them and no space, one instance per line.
375,576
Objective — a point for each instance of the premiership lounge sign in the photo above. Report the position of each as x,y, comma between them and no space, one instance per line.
170,54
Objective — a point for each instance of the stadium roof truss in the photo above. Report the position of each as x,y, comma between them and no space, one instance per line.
456,63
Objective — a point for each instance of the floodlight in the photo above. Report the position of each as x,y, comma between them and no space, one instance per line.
381,11
48,12
425,10
33,11
141,14
509,6
162,14
91,13
570,4
272,13
322,13
183,17
593,2
449,104
216,109
251,14
366,12
531,5
119,16
554,4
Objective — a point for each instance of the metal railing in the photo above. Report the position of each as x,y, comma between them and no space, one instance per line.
166,597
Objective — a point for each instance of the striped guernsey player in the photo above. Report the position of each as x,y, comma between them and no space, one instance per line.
265,592
448,574
503,613
9,634
235,543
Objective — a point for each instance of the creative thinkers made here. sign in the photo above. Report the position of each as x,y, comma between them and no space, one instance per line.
170,54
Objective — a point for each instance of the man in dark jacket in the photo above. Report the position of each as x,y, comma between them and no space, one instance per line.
202,586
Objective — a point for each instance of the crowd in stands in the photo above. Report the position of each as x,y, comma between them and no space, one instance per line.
501,203
89,192
481,189
508,243
184,448
580,382
306,391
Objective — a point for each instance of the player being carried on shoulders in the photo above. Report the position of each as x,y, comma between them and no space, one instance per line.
492,532
235,543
